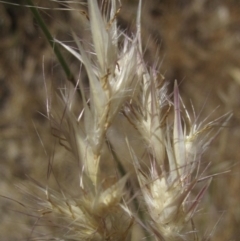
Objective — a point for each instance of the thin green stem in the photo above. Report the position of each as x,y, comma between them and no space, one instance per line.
51,41
135,201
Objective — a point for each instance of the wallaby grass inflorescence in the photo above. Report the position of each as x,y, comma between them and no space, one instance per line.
124,186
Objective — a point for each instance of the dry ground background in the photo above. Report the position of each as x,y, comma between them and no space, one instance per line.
199,45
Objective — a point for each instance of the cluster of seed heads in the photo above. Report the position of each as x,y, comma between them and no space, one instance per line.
138,149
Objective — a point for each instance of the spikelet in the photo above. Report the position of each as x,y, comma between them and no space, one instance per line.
167,186
99,213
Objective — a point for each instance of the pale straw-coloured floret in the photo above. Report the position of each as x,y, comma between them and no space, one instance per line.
99,213
113,77
95,215
167,186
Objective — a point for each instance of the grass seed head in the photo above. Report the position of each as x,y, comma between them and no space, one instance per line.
165,161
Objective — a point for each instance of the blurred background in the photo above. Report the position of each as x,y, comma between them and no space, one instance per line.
196,42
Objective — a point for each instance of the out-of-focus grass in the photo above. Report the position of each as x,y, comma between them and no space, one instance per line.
199,44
